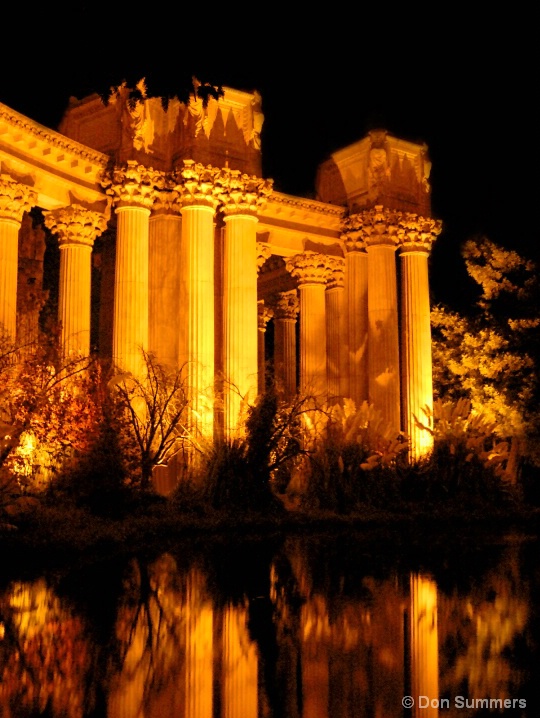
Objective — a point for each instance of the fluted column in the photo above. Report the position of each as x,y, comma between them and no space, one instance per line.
199,190
286,307
242,197
164,270
416,237
311,270
264,314
355,373
379,228
424,644
133,189
76,228
335,308
15,199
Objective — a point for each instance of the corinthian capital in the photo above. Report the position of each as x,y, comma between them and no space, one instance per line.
263,252
198,184
417,234
352,235
133,185
286,305
264,314
336,276
380,226
75,224
15,198
241,193
167,202
309,268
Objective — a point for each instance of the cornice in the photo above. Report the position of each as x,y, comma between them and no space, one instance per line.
11,122
306,205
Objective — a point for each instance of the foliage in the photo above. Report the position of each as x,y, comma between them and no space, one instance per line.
155,408
353,459
139,89
490,356
468,461
47,411
244,471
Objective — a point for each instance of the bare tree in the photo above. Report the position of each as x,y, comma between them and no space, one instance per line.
156,406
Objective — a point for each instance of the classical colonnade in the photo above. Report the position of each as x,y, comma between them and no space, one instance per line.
364,326
364,323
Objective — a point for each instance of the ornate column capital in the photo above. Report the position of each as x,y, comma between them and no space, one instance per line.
133,185
264,314
336,278
286,305
167,202
15,198
352,235
417,234
242,193
197,185
309,268
263,253
76,224
379,226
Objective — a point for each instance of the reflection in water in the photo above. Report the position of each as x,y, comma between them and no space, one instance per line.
424,644
300,630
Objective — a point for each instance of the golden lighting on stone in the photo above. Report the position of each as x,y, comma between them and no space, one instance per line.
176,196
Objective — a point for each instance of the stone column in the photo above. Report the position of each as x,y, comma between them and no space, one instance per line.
416,237
263,317
335,308
355,374
286,309
76,228
380,227
15,199
133,189
198,191
311,269
424,643
164,270
242,198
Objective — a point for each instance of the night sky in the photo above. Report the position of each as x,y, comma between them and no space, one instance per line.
466,85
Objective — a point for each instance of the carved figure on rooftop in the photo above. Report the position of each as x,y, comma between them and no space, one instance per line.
379,168
258,119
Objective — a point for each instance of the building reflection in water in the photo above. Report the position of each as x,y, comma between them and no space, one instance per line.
323,641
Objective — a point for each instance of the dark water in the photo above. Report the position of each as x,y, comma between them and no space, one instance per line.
327,626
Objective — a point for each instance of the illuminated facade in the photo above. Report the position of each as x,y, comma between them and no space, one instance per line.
199,256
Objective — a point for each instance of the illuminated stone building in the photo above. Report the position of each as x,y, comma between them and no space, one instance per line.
199,256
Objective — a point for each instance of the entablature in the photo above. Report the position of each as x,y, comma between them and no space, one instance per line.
59,170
